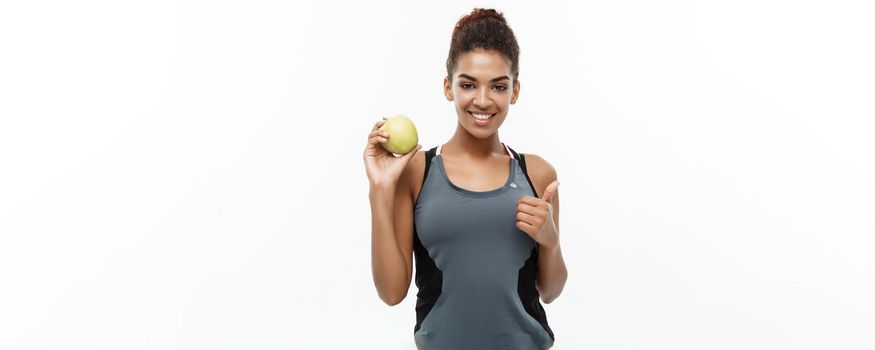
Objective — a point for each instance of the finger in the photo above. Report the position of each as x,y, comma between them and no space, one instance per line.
379,124
377,139
551,190
528,208
535,220
379,133
382,137
530,201
412,152
525,227
525,217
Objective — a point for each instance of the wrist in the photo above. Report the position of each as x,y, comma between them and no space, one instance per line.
549,248
381,191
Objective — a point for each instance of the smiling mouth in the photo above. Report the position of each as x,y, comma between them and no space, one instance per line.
479,116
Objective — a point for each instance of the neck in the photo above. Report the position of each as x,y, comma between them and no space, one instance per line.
463,143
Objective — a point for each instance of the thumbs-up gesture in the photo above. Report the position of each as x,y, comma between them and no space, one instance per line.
534,216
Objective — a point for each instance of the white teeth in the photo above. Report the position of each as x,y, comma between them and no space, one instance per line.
481,116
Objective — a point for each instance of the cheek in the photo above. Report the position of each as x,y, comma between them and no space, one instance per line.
503,101
462,98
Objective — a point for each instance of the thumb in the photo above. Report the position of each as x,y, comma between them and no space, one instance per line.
550,191
412,152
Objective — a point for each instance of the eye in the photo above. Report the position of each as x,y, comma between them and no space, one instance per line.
466,85
500,87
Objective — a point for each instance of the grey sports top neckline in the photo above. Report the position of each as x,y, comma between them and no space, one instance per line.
479,194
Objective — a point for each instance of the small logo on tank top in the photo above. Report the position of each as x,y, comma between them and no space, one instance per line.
513,184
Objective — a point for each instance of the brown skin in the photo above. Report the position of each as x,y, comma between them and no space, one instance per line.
474,159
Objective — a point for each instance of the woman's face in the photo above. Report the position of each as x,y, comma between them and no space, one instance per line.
482,87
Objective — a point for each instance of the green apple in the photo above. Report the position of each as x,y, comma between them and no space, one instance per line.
402,134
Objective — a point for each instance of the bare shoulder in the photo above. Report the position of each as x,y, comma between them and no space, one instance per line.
540,171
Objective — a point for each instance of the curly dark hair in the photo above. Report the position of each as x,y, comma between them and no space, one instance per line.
486,29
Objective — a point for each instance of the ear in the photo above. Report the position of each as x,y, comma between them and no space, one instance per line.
448,89
516,92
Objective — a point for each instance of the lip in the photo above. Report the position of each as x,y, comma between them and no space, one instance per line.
481,122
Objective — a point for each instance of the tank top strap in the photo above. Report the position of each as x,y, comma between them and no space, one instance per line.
509,153
428,156
521,160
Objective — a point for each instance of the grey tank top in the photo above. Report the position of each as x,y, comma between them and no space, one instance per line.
475,270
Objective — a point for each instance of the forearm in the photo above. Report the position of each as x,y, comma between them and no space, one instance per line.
387,261
552,273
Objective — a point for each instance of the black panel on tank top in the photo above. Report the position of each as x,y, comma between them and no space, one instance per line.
429,279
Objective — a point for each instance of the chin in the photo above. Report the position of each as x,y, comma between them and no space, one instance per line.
481,135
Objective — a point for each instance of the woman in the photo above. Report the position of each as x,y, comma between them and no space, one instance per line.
480,219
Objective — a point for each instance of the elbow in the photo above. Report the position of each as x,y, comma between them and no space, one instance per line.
393,300
549,297
392,293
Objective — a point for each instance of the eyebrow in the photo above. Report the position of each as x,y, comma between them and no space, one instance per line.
466,76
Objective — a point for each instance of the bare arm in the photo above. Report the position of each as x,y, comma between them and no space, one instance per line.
391,261
391,216
552,272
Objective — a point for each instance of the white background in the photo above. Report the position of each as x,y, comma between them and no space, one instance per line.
189,175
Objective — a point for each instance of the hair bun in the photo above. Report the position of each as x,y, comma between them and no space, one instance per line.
476,15
483,29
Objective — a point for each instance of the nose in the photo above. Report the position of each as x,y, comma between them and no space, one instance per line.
481,101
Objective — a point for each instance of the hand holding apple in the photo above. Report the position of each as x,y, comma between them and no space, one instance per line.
382,167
